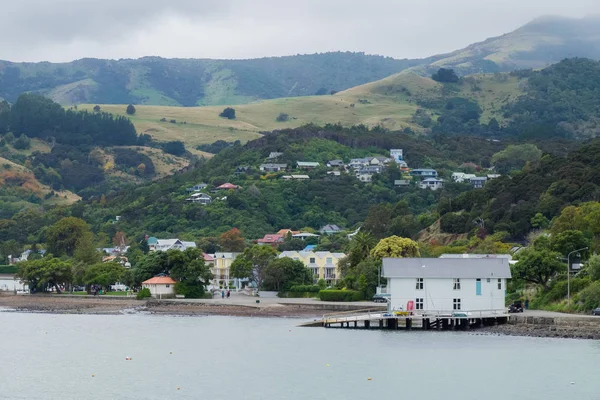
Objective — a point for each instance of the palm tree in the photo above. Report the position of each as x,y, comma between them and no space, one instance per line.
362,244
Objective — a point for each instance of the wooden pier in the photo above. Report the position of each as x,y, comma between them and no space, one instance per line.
439,320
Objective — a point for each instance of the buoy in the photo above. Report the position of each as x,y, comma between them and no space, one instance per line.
178,388
327,365
127,358
572,383
369,379
92,375
170,352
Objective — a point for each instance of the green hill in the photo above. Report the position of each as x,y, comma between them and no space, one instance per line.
191,82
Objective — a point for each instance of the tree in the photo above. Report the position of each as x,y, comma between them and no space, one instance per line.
361,246
537,266
62,237
176,147
188,268
516,157
282,117
539,221
120,241
130,109
228,113
252,263
150,265
568,241
445,75
283,273
46,272
97,108
232,240
85,251
22,143
395,247
104,274
209,245
593,267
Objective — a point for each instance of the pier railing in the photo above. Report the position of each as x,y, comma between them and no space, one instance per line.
369,314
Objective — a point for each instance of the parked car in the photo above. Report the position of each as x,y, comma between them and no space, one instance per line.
516,307
380,298
596,311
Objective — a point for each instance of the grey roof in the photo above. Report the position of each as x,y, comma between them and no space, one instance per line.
479,178
446,268
424,170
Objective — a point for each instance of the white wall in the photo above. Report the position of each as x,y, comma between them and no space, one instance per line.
160,289
439,295
10,284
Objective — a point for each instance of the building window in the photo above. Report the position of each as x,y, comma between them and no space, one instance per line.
456,284
419,284
456,304
419,304
488,280
329,260
312,260
168,286
499,284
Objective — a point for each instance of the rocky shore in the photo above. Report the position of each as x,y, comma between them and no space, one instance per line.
117,305
569,326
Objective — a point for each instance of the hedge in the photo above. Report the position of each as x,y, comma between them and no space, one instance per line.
8,269
341,295
297,295
305,288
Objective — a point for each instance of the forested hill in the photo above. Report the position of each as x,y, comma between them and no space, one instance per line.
191,82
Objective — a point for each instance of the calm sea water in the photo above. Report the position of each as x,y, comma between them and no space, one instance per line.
54,357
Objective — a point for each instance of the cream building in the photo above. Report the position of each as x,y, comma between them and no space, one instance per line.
323,264
220,268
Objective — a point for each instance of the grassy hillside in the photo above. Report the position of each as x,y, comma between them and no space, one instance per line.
191,82
537,44
390,102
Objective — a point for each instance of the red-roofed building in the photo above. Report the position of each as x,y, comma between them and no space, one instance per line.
228,186
208,259
160,286
270,239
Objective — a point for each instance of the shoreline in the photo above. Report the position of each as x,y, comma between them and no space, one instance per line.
563,327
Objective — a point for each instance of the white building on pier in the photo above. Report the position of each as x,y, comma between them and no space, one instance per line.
447,285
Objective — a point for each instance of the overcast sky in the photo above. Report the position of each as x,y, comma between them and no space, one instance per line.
63,30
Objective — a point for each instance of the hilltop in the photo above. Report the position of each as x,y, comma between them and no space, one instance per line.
197,82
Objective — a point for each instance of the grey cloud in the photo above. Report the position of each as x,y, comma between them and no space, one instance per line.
67,29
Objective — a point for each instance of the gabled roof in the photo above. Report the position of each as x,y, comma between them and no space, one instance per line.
446,268
208,257
228,186
308,164
271,239
330,228
159,280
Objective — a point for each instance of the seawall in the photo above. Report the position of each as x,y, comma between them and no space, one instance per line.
569,326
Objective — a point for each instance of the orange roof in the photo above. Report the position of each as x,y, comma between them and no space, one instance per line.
284,232
160,280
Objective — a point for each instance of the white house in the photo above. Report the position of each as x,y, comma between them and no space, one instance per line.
307,165
460,177
160,286
397,155
272,167
197,188
201,198
169,244
431,183
446,285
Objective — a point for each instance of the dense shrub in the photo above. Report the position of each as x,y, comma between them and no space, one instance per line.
228,113
589,298
305,288
127,158
143,294
190,290
297,295
341,295
176,147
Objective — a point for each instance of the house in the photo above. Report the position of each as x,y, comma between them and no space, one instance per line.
307,165
330,229
295,177
364,176
493,176
124,261
323,264
460,177
201,198
478,182
285,232
506,256
431,183
273,155
161,286
334,173
424,172
221,268
168,244
10,283
228,186
243,169
335,164
209,259
357,163
272,167
371,169
25,255
197,188
397,155
304,235
402,182
446,285
271,240
378,160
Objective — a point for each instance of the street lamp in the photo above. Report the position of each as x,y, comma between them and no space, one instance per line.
569,274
